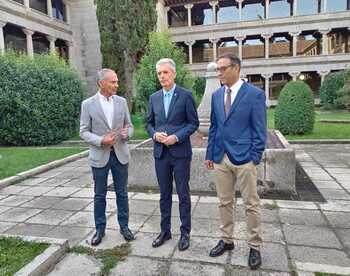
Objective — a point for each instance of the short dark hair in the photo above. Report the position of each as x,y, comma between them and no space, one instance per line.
233,58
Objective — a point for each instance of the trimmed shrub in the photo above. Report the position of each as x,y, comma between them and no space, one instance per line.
39,100
295,109
328,91
145,79
344,93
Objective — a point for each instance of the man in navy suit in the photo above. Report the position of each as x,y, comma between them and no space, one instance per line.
171,119
237,137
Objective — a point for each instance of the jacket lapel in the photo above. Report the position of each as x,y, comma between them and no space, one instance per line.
99,110
115,110
161,103
222,103
238,98
173,101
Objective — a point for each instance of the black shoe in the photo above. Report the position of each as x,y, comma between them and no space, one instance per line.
127,234
220,248
254,260
97,238
184,242
162,237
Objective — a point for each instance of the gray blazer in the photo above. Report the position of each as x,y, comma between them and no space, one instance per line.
93,126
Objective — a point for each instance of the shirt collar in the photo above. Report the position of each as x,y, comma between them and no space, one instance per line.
171,91
235,87
104,98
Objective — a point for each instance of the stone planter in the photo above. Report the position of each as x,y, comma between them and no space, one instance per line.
276,171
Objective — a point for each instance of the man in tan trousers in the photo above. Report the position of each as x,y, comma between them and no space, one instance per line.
236,141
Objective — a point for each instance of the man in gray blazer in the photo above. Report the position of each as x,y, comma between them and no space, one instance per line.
106,126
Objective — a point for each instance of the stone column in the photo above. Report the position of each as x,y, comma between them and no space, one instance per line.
167,9
295,42
162,16
215,49
324,41
213,4
29,38
52,40
325,6
267,44
70,46
189,14
240,39
323,74
294,75
240,8
2,38
190,43
26,4
68,19
295,7
267,4
49,8
267,87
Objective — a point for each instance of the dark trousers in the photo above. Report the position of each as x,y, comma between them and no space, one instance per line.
168,168
120,179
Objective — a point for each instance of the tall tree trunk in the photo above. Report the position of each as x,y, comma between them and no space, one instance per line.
128,70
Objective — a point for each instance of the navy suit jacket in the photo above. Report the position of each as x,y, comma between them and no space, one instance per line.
242,135
182,121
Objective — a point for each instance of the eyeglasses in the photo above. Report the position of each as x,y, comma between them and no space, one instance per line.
223,68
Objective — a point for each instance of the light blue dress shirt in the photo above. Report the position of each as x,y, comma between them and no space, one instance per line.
167,96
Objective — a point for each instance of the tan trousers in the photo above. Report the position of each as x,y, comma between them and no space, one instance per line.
227,176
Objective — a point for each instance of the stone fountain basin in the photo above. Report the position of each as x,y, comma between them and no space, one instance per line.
276,172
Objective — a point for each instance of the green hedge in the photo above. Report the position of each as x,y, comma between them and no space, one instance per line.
39,99
328,91
295,109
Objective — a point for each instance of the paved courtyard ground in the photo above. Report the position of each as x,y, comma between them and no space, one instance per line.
299,236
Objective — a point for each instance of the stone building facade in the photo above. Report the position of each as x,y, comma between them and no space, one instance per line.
277,40
67,27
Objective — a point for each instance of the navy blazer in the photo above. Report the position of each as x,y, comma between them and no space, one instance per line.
182,121
242,135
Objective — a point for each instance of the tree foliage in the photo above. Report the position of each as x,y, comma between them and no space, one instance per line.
344,93
124,26
295,109
146,81
39,100
328,91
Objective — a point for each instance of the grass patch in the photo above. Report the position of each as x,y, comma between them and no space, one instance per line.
108,257
16,253
139,122
14,160
321,130
270,206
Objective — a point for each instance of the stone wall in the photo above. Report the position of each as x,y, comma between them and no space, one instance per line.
86,37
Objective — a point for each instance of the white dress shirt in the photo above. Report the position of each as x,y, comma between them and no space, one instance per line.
234,90
107,107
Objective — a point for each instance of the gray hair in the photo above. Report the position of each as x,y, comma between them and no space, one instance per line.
101,74
167,61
